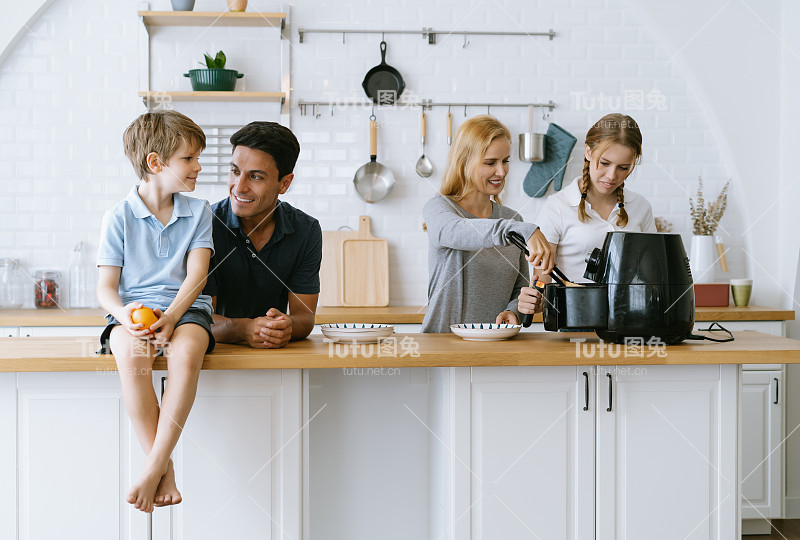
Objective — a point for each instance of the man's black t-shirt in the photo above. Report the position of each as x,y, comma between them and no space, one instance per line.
247,283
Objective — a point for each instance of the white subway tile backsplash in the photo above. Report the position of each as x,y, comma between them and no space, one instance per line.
333,154
34,239
638,52
67,93
16,222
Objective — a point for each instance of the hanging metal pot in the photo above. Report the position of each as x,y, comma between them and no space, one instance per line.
372,180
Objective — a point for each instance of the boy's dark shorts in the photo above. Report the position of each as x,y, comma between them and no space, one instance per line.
196,316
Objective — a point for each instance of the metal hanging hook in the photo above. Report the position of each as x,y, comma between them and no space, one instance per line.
466,41
465,110
488,109
343,34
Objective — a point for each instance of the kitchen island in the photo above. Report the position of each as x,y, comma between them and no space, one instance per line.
543,433
418,350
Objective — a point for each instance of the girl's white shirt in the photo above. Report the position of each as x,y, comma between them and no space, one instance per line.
559,222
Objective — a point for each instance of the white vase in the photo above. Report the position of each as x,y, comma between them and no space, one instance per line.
703,258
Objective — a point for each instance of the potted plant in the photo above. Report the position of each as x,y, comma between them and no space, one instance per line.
214,77
705,220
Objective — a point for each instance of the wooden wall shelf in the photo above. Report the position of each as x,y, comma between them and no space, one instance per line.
153,96
206,18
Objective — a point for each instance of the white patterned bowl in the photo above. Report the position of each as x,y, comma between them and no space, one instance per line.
485,331
356,332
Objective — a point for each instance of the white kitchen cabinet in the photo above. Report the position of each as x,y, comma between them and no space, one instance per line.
238,462
762,452
68,456
59,331
74,443
9,331
666,452
8,455
523,453
528,461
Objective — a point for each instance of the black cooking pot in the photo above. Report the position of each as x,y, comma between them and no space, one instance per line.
575,309
643,290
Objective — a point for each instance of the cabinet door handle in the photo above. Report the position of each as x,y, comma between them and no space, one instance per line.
776,391
163,382
610,393
585,391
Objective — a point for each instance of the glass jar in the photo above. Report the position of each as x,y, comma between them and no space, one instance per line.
10,284
82,280
47,288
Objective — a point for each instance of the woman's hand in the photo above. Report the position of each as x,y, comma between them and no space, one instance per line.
541,255
506,317
530,299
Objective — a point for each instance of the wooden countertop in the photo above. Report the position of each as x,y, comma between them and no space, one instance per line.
526,349
377,315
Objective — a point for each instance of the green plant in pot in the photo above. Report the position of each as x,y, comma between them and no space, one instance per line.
214,77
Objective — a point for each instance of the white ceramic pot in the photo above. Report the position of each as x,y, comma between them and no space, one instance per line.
182,5
703,258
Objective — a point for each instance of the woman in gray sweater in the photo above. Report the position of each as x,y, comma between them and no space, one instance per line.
475,273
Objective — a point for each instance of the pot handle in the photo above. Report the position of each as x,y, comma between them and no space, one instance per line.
449,127
239,75
186,75
373,139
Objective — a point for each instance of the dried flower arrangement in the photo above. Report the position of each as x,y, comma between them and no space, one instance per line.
705,219
663,225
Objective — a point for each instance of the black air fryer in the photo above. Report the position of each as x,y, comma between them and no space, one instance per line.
643,289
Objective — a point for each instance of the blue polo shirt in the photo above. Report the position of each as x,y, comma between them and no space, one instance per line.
152,256
246,282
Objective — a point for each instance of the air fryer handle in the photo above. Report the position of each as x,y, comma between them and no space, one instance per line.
593,264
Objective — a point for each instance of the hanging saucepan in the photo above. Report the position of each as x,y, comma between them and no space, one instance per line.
373,181
383,84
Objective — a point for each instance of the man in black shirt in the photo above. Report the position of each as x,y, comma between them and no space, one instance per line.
267,253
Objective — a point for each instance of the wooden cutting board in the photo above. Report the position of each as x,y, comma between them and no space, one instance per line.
355,268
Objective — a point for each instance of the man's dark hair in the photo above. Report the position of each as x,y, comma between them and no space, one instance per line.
272,138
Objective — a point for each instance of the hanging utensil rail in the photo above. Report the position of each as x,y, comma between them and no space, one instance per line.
426,33
426,104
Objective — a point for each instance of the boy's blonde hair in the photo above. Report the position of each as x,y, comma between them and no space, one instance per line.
161,132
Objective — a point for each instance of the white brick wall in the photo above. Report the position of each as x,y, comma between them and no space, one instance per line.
68,91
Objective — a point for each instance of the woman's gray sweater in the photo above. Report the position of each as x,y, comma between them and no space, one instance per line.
475,273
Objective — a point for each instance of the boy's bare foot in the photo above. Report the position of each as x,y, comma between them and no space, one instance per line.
143,492
167,492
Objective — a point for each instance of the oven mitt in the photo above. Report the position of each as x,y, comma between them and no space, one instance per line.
558,145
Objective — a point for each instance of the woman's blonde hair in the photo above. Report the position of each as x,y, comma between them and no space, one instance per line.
613,128
469,145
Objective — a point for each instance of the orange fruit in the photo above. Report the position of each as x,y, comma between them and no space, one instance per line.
145,316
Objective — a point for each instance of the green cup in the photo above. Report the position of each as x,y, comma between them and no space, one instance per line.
741,289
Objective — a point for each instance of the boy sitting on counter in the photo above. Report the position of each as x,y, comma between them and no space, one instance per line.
154,251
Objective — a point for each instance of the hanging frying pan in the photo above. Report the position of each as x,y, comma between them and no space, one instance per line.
383,84
373,181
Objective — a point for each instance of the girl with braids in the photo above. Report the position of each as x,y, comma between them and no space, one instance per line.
475,273
576,220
